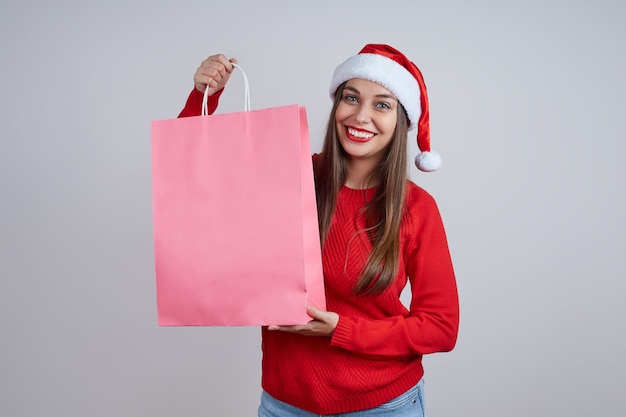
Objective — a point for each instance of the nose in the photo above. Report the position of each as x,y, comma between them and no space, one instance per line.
363,115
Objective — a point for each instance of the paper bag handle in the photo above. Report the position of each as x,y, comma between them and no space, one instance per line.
246,103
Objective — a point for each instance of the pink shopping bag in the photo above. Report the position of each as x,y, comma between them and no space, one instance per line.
236,238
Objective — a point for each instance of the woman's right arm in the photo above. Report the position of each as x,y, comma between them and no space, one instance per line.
213,72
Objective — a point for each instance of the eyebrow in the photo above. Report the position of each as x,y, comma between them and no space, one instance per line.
391,96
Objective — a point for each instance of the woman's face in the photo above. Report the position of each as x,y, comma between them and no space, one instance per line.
366,119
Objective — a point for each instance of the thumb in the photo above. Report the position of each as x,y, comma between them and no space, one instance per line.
315,313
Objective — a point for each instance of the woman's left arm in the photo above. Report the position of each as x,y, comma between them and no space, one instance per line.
433,320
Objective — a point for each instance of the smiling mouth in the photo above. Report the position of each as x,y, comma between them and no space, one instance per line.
358,135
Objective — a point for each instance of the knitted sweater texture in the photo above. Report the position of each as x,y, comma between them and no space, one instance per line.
375,353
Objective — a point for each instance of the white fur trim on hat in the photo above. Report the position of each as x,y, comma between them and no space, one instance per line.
386,72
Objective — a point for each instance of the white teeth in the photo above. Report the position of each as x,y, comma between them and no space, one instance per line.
359,134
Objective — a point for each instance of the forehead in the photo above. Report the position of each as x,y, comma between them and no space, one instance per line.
366,87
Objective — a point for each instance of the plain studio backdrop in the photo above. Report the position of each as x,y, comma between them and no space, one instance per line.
527,109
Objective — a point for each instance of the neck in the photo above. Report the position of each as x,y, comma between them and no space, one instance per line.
358,174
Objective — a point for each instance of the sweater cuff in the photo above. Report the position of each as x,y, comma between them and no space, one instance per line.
193,107
341,336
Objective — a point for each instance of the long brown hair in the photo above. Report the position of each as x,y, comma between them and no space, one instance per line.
384,211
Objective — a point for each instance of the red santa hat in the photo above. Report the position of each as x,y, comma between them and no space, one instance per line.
388,67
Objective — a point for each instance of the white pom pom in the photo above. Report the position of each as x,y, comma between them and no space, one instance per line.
428,161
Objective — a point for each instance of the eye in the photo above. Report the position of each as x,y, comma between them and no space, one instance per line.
383,106
350,98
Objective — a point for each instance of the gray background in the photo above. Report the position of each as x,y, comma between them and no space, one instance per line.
528,111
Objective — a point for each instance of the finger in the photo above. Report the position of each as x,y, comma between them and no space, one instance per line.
202,82
280,328
316,313
216,58
232,61
220,58
221,62
293,329
214,71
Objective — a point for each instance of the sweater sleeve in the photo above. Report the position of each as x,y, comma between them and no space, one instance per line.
433,318
193,107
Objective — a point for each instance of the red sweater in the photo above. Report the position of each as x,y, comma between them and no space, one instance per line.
375,353
193,107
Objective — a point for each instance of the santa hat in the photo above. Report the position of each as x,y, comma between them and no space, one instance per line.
388,67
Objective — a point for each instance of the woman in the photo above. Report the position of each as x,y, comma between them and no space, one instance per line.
363,357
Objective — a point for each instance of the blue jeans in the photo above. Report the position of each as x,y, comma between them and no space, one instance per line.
409,404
